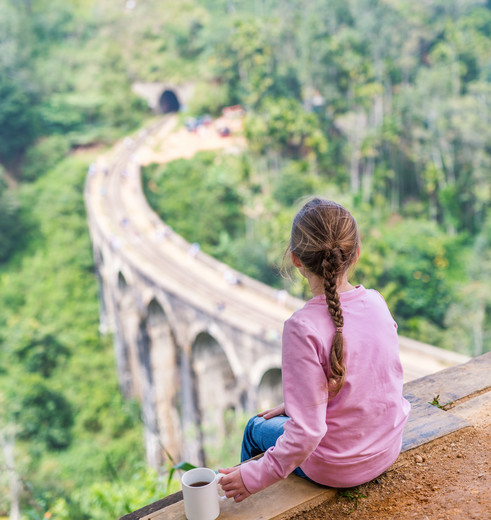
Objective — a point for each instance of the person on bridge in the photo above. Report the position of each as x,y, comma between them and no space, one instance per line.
342,420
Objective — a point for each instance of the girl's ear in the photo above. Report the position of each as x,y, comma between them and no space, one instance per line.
296,261
358,253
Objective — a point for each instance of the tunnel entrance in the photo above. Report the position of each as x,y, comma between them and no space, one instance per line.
168,102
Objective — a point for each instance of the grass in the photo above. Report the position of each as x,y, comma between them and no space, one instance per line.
436,402
353,495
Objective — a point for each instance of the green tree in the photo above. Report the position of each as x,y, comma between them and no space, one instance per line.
198,198
11,221
41,353
283,126
244,62
411,263
44,415
295,182
19,122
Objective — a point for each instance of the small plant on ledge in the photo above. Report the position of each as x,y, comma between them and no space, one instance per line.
436,402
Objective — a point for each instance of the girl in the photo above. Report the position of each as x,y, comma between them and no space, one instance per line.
342,420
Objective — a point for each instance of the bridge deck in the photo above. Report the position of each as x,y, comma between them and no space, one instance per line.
164,257
467,385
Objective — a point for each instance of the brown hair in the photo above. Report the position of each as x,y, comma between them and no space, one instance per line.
325,239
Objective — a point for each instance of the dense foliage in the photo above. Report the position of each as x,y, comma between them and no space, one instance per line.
380,104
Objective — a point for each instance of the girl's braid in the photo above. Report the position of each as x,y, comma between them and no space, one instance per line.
330,268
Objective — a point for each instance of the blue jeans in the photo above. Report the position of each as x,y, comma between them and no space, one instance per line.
261,434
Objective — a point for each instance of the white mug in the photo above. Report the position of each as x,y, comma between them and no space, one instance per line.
200,492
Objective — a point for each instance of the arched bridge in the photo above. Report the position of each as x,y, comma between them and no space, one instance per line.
194,340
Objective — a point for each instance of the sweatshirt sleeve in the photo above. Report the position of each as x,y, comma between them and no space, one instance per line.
306,395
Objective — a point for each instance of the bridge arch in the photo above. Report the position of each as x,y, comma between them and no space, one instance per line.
222,339
98,256
270,390
122,274
262,365
147,395
151,297
123,305
265,380
215,386
159,389
122,283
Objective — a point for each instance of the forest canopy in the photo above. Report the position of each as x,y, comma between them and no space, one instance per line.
383,105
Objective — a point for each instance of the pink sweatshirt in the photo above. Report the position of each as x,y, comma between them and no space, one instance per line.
358,434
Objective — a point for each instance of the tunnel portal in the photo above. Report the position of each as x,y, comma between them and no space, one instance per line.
169,102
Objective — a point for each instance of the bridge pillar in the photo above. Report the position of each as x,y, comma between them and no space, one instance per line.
166,379
192,444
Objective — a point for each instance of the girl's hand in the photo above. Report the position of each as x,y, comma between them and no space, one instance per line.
273,412
233,485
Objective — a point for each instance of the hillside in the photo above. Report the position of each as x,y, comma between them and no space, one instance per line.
381,105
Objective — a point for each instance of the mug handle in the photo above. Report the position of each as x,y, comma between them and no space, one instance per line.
218,478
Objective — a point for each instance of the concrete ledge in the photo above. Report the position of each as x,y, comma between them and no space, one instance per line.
427,422
278,502
454,383
467,386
